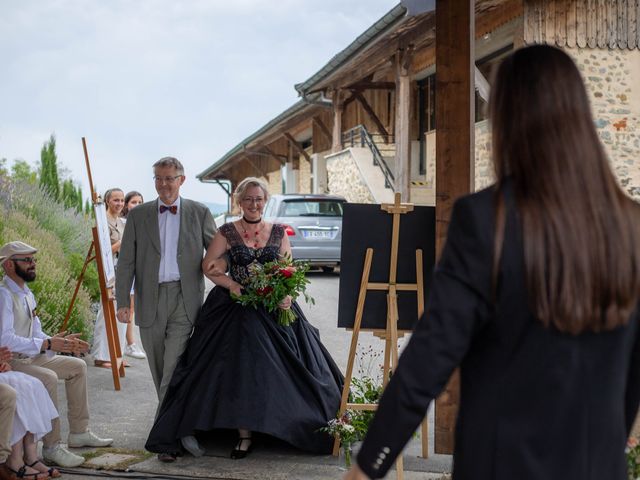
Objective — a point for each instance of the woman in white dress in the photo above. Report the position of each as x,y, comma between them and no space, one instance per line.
114,201
34,413
132,200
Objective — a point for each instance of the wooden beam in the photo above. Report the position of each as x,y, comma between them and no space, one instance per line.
323,128
372,114
373,86
281,159
294,143
267,153
454,154
338,108
403,114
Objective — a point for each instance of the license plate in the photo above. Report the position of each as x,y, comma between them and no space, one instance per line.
317,234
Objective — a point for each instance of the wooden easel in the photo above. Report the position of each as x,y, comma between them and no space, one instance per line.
106,292
390,333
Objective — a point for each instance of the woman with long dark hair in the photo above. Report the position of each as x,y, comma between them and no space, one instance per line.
534,298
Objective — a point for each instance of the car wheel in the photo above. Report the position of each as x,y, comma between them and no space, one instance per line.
327,269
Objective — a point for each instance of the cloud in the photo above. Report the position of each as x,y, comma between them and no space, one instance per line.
144,79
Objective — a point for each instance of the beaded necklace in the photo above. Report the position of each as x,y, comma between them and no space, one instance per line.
245,232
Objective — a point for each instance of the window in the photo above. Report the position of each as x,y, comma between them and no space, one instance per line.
311,208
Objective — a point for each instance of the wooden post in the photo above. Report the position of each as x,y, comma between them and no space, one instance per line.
403,104
338,108
454,153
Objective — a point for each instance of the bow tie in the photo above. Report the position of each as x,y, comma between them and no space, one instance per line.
173,209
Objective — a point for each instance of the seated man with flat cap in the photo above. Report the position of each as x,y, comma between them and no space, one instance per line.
35,354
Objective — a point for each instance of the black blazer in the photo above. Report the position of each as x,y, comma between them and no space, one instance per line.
535,403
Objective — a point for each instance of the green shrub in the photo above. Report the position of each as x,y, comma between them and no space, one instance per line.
55,283
72,229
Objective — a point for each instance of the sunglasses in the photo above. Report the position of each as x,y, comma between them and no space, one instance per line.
26,259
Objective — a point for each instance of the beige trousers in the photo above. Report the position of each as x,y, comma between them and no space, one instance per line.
167,338
74,373
7,412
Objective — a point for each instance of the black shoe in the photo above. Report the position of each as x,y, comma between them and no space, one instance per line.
167,457
237,453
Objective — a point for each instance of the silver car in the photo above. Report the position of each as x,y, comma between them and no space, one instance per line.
313,224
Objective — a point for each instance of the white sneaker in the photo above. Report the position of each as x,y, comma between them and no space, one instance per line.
191,445
59,455
88,439
134,351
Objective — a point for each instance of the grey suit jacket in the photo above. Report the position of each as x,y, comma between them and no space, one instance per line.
139,258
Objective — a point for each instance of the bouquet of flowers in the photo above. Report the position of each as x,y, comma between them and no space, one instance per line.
270,283
343,429
633,458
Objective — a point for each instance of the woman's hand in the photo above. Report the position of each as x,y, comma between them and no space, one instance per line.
5,367
355,473
285,304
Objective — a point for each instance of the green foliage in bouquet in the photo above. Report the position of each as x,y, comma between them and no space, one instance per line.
633,458
270,283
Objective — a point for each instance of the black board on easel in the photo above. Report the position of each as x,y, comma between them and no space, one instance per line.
368,226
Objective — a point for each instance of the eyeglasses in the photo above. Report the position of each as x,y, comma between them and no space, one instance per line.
159,179
250,200
26,259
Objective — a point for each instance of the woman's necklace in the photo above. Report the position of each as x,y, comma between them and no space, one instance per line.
246,233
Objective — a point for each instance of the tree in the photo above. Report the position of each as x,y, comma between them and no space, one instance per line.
21,170
49,178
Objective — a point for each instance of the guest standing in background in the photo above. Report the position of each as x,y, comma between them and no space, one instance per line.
132,200
114,202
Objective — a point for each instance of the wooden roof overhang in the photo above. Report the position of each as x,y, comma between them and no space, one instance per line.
257,150
414,35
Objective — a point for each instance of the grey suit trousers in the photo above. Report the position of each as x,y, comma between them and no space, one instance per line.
165,340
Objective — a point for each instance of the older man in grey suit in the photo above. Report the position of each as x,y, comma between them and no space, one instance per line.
162,248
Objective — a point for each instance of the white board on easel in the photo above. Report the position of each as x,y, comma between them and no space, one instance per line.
105,244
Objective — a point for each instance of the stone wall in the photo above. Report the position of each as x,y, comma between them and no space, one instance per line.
344,178
274,181
304,176
613,84
612,78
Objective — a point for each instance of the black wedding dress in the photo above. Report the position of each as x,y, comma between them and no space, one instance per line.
242,370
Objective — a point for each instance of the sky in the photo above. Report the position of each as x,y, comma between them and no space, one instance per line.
145,79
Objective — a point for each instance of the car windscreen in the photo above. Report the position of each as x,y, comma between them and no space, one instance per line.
311,208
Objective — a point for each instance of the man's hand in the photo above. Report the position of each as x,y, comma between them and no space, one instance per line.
216,267
5,354
72,343
355,474
123,315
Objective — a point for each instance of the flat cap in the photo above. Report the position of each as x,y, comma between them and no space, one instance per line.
15,248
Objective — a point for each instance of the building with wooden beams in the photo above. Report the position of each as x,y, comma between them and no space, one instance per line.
366,123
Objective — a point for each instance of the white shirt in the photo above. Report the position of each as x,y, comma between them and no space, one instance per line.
169,232
8,338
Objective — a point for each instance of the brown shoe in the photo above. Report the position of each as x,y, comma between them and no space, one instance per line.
6,473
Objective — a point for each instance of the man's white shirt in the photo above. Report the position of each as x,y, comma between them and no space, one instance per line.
8,338
169,233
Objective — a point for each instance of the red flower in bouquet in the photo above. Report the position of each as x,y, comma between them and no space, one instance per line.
271,283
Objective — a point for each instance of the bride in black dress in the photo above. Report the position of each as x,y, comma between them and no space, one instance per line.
241,369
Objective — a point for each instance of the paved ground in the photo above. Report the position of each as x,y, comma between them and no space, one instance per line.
127,416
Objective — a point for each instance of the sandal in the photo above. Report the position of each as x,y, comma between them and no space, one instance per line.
102,363
53,472
22,473
237,453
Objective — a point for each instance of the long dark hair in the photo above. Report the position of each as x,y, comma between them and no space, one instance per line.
580,230
127,199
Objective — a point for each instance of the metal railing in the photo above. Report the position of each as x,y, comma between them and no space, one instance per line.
359,136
